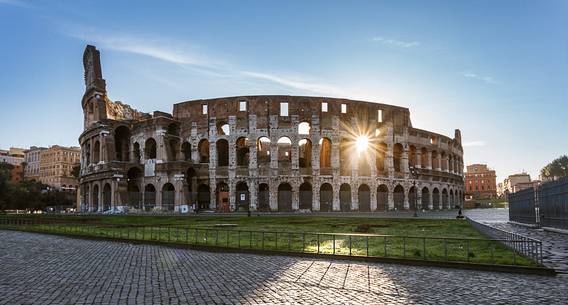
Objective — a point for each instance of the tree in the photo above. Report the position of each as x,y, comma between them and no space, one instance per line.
76,171
555,169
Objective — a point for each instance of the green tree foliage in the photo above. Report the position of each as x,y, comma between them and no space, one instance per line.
556,169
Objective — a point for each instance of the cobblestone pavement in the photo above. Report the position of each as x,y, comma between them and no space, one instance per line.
45,269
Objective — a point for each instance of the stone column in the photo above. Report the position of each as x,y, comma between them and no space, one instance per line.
273,195
253,195
354,197
390,199
431,199
213,193
429,165
295,197
336,202
404,162
406,203
373,194
316,196
232,195
418,158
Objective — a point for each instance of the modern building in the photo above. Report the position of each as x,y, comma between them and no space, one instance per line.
56,167
14,156
32,157
264,153
515,183
480,182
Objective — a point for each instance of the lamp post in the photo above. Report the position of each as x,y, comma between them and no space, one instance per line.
414,173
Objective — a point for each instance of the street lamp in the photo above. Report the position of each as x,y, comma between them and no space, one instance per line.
414,173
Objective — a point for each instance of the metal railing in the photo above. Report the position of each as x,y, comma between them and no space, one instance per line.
523,245
463,250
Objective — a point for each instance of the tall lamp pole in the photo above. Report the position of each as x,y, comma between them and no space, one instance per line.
414,172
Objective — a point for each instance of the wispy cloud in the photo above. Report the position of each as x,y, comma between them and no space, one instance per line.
395,42
484,78
187,57
17,3
477,143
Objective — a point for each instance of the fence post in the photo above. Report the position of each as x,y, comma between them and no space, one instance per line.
318,243
367,245
404,246
424,246
333,244
349,245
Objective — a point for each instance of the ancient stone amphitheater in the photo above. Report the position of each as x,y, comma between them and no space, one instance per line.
261,153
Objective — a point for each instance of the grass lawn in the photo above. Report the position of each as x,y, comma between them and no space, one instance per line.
407,238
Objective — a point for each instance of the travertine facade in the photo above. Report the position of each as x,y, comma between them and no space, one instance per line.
267,153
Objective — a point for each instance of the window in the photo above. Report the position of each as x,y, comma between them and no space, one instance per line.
343,108
324,107
380,116
204,109
243,106
284,109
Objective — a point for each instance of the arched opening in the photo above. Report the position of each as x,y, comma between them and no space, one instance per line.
172,148
222,195
186,151
326,197
364,198
382,197
344,158
222,153
284,152
86,202
134,198
149,197
242,196
150,149
173,130
97,152
242,151
263,198
122,143
445,198
304,128
203,149
306,196
380,155
425,204
424,157
263,152
168,197
398,197
223,129
191,180
136,152
88,154
436,198
95,198
305,154
451,163
412,198
345,197
397,157
412,156
452,202
325,154
284,197
107,195
363,169
203,197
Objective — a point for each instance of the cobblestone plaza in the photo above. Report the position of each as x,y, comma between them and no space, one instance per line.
44,269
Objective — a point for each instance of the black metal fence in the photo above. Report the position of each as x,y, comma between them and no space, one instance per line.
542,206
463,250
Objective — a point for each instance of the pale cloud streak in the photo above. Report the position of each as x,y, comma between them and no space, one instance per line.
17,3
476,143
483,78
395,42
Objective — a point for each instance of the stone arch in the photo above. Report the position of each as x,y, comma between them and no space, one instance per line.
397,157
364,195
149,197
168,197
223,129
284,145
222,146
452,202
203,197
150,149
263,197
425,202
263,151
222,195
95,197
325,153
122,143
412,198
424,157
172,148
242,196
284,197
380,158
326,197
133,178
306,196
305,153
186,151
97,152
203,150
345,197
344,157
445,198
304,128
136,152
412,156
107,197
382,197
436,198
243,153
398,197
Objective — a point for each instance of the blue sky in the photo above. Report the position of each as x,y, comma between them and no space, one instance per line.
497,70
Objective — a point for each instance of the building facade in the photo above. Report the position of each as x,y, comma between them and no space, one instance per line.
14,156
480,182
514,183
56,167
32,157
264,153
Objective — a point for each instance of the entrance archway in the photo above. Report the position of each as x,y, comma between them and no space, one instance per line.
326,197
263,198
425,198
284,197
222,195
203,197
382,198
345,197
398,196
306,196
364,198
107,197
168,197
242,196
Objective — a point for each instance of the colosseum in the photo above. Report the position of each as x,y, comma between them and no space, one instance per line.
261,153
